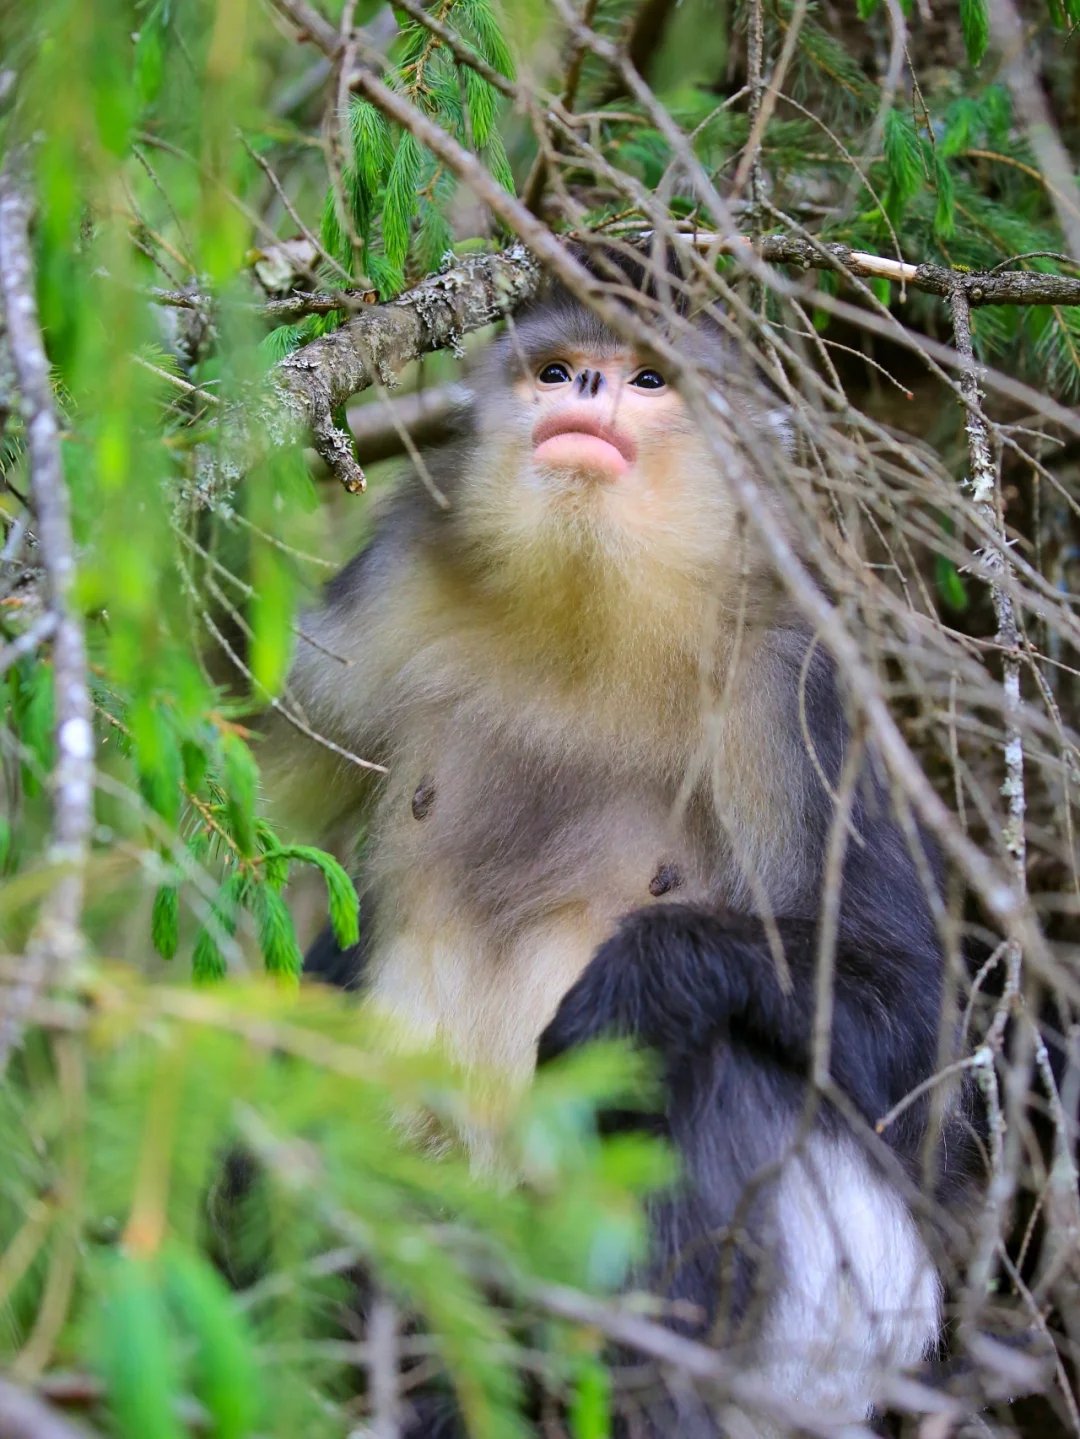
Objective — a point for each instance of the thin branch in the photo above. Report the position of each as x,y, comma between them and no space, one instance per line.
311,25
24,1416
427,417
995,565
55,942
289,307
979,287
27,642
383,1348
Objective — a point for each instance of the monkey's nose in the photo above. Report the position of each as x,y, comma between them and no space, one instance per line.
589,382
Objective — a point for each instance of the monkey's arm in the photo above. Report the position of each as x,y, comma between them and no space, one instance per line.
678,979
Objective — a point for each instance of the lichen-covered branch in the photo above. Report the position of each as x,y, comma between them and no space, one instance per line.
994,564
302,392
990,287
55,942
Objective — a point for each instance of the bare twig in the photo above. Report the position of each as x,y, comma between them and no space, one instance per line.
383,1345
995,565
25,644
24,1416
311,24
289,307
427,417
55,942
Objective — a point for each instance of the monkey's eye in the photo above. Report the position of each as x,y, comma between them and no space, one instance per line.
649,380
555,374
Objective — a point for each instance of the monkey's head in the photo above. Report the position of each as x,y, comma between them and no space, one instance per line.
588,456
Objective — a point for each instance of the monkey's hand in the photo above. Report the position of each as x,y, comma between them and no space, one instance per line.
680,980
670,979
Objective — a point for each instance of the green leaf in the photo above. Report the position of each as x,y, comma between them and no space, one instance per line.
342,899
498,163
950,583
866,8
479,17
434,239
284,339
373,145
165,921
590,1411
157,752
277,935
35,718
903,162
945,209
227,1380
134,1353
335,241
150,58
962,120
402,201
207,961
483,104
975,23
241,778
195,761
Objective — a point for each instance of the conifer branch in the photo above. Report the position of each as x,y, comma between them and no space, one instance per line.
55,942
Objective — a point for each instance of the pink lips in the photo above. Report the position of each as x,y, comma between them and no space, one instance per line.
577,439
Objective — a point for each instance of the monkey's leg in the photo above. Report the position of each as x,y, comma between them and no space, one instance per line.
797,1257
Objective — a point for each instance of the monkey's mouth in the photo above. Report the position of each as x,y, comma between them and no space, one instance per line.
576,440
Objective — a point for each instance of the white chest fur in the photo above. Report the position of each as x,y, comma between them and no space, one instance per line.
441,979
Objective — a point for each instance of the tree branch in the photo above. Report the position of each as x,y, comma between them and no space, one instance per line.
55,942
990,287
23,1416
303,390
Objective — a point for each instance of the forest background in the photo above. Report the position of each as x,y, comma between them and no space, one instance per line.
246,250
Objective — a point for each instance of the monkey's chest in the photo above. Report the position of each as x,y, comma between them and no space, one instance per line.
494,879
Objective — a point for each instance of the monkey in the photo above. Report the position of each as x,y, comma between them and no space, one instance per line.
616,759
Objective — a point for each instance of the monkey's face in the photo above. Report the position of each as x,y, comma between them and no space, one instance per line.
599,419
589,451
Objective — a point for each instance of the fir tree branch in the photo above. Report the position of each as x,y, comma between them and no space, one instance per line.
55,942
303,390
